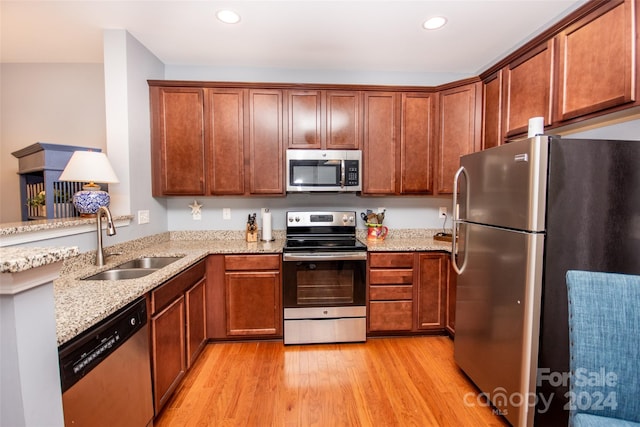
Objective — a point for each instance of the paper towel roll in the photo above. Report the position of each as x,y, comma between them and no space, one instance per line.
536,126
266,226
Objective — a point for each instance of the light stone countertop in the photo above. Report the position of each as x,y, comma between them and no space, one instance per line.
80,304
13,228
16,259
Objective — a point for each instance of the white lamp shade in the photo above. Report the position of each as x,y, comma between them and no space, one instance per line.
89,166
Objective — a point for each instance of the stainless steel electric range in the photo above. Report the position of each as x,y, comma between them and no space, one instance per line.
324,279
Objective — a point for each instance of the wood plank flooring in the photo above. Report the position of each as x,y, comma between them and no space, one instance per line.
410,381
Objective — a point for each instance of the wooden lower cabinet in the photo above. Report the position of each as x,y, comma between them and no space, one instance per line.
244,297
450,322
430,301
406,292
178,330
168,351
253,303
196,324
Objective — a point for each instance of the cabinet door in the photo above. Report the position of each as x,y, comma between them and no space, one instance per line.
266,150
253,304
380,134
304,118
458,132
416,130
196,320
492,117
596,61
343,118
527,90
225,139
168,351
431,285
177,142
450,323
390,316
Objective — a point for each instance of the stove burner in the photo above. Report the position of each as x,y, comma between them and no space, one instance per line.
322,231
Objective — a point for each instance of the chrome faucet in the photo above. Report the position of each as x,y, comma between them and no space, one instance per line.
111,230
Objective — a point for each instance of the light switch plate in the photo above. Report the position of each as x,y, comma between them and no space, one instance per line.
143,217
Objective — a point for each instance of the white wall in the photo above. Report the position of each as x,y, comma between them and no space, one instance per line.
119,87
401,212
275,75
625,130
57,103
128,65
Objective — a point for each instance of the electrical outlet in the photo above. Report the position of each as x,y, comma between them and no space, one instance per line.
143,217
442,213
226,213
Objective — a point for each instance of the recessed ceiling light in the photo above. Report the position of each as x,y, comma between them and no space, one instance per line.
434,23
228,16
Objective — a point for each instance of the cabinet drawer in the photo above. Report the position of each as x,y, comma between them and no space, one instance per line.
390,277
251,262
176,286
382,293
390,315
391,259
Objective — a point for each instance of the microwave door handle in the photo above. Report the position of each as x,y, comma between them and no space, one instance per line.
343,174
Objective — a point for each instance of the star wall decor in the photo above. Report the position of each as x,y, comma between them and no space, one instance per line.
195,208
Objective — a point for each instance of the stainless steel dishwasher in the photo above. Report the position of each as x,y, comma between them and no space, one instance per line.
105,372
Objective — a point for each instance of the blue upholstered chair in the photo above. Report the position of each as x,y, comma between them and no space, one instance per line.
604,334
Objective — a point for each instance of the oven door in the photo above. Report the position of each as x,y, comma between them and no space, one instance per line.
324,279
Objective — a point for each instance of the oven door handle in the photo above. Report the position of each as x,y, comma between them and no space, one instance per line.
323,256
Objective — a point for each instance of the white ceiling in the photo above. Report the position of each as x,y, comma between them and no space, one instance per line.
377,36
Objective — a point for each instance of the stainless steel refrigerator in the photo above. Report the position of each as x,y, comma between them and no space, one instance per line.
524,214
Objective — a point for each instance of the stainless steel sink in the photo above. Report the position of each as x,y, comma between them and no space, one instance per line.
148,262
134,269
121,274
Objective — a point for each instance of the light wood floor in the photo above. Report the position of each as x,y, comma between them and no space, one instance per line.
410,381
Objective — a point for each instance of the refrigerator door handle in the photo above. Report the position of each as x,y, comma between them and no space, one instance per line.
456,220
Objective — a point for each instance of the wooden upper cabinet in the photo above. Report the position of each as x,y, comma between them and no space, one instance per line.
460,112
177,142
343,120
492,118
225,140
416,135
596,67
527,89
266,149
323,119
380,135
304,118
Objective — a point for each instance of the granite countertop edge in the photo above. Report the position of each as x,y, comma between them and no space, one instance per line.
17,259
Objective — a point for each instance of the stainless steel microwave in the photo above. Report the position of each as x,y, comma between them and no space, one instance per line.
324,170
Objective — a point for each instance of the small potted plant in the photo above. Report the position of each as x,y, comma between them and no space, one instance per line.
37,202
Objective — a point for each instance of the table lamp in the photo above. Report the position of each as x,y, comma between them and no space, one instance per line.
91,167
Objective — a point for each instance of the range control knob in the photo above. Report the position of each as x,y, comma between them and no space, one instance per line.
297,219
290,219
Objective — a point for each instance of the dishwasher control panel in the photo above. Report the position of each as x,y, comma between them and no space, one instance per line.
80,355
